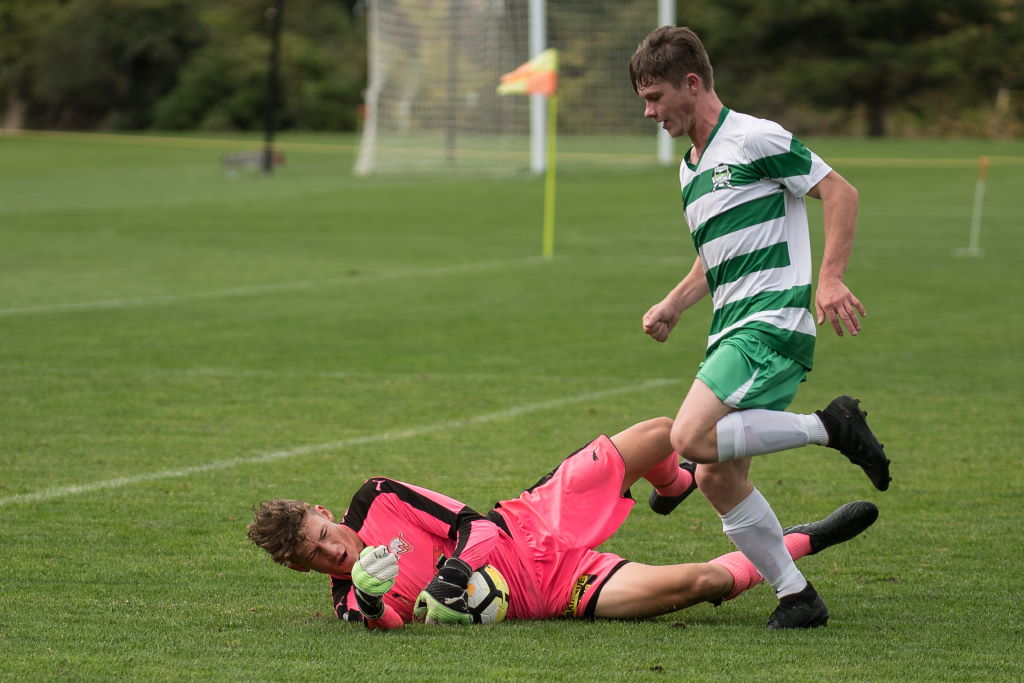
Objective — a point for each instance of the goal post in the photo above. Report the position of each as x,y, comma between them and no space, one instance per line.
431,100
666,148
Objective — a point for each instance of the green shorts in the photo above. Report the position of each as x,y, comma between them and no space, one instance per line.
744,372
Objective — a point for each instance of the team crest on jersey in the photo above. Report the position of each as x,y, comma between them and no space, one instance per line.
721,177
399,546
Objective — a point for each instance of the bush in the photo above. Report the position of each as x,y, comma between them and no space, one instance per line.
104,63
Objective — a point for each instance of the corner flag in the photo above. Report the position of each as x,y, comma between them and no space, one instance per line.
539,76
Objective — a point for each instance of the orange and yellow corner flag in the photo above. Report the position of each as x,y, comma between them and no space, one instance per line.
539,76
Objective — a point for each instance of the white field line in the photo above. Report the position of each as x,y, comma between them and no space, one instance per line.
335,147
74,489
292,375
253,290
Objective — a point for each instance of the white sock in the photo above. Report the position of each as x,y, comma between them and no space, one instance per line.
756,432
753,527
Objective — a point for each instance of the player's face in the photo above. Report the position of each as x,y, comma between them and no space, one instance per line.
670,106
329,548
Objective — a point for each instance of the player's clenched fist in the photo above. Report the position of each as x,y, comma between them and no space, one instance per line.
373,575
659,321
444,600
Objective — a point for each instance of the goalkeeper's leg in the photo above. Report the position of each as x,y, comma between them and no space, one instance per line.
637,590
647,452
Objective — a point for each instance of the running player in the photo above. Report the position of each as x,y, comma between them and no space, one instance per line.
398,542
743,185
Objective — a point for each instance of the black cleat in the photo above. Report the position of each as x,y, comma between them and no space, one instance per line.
663,505
805,609
848,433
842,525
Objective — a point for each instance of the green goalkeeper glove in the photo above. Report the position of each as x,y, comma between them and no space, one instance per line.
373,575
444,600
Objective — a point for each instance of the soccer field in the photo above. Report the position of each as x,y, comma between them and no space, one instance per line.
180,343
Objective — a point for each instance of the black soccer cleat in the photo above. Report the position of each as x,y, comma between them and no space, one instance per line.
663,505
842,525
805,609
848,433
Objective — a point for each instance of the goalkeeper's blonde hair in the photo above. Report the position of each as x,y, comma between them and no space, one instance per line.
278,528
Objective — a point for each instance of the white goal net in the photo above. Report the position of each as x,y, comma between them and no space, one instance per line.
431,101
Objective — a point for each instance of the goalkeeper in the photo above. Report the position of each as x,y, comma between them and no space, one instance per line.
398,542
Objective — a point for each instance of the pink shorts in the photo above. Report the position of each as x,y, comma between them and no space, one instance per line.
558,522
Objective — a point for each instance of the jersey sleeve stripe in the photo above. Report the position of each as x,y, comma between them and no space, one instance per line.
361,502
339,597
795,162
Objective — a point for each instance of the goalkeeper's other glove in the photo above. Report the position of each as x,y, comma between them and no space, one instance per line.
444,600
373,575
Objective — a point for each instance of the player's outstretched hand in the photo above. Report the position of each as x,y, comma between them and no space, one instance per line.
444,600
837,304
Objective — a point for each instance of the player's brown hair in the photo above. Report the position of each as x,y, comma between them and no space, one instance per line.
278,526
668,54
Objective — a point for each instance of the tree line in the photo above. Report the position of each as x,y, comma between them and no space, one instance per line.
871,66
939,66
178,64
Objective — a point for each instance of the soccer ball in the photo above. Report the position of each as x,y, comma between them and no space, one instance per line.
488,595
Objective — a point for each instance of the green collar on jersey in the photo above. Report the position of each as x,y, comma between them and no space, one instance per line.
721,120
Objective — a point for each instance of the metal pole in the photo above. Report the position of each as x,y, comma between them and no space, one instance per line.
453,79
666,150
538,103
276,14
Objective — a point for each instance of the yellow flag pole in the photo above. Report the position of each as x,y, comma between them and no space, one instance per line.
549,181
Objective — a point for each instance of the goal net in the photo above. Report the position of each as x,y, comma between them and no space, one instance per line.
431,101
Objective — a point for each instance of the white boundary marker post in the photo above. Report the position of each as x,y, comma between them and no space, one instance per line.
666,148
973,248
538,42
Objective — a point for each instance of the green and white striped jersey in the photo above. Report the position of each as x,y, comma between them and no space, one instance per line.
744,204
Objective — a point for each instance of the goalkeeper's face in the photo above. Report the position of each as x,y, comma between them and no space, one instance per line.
328,548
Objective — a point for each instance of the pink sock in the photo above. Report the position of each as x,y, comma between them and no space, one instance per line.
668,478
798,545
745,575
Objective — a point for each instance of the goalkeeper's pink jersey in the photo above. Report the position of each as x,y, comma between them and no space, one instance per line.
542,542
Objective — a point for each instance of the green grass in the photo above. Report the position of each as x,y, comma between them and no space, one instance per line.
166,326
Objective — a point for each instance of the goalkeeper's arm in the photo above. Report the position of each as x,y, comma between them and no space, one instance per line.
373,575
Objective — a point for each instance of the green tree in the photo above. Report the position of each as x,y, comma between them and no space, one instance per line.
871,55
106,62
21,23
130,64
223,84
